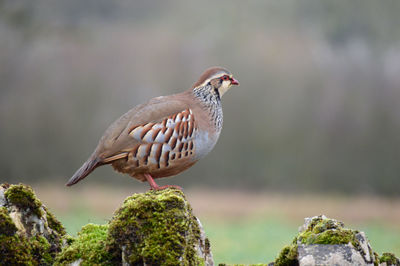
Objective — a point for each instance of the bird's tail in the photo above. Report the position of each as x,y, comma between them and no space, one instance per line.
84,171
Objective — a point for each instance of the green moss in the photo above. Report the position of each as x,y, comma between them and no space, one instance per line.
376,259
326,231
27,248
389,258
89,246
23,196
7,226
288,256
54,223
41,251
330,237
17,250
154,229
14,249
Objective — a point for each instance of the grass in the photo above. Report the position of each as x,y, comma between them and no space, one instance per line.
252,241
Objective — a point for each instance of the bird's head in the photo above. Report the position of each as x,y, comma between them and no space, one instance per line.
219,78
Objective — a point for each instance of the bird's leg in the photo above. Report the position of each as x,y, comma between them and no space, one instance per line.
151,181
154,186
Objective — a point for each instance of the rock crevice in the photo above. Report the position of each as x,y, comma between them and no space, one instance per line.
325,241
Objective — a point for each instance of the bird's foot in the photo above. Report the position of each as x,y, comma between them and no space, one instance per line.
164,187
154,186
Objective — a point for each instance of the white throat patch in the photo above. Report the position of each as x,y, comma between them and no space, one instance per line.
225,86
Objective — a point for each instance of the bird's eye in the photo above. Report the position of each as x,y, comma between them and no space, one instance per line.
225,78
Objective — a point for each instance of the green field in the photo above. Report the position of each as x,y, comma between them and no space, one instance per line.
243,227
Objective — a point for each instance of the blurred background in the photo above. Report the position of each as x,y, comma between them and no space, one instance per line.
314,127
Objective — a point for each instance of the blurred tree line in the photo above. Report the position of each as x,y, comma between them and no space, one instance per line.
317,110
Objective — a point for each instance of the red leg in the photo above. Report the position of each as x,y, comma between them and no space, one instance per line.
154,186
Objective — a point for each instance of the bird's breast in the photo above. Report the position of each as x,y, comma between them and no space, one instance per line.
204,143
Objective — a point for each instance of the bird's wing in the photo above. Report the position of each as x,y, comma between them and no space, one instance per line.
154,121
124,135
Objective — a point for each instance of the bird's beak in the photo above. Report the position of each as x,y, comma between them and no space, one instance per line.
234,81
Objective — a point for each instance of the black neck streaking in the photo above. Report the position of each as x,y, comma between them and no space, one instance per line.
217,93
211,99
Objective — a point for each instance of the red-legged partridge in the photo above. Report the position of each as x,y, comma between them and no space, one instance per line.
166,135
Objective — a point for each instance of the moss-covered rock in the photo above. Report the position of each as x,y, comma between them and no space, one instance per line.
153,228
19,250
26,237
15,250
7,226
158,228
23,197
322,230
288,256
389,259
327,241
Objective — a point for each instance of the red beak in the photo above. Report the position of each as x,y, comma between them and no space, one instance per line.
234,82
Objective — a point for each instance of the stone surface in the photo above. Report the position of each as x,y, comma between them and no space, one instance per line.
324,241
158,227
344,255
29,233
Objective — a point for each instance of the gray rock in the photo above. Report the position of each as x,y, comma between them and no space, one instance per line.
29,215
153,228
332,253
2,198
202,247
324,241
30,234
341,255
162,221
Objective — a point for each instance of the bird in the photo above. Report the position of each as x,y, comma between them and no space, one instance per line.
166,135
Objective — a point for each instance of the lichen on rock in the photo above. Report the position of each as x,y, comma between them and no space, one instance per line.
29,233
